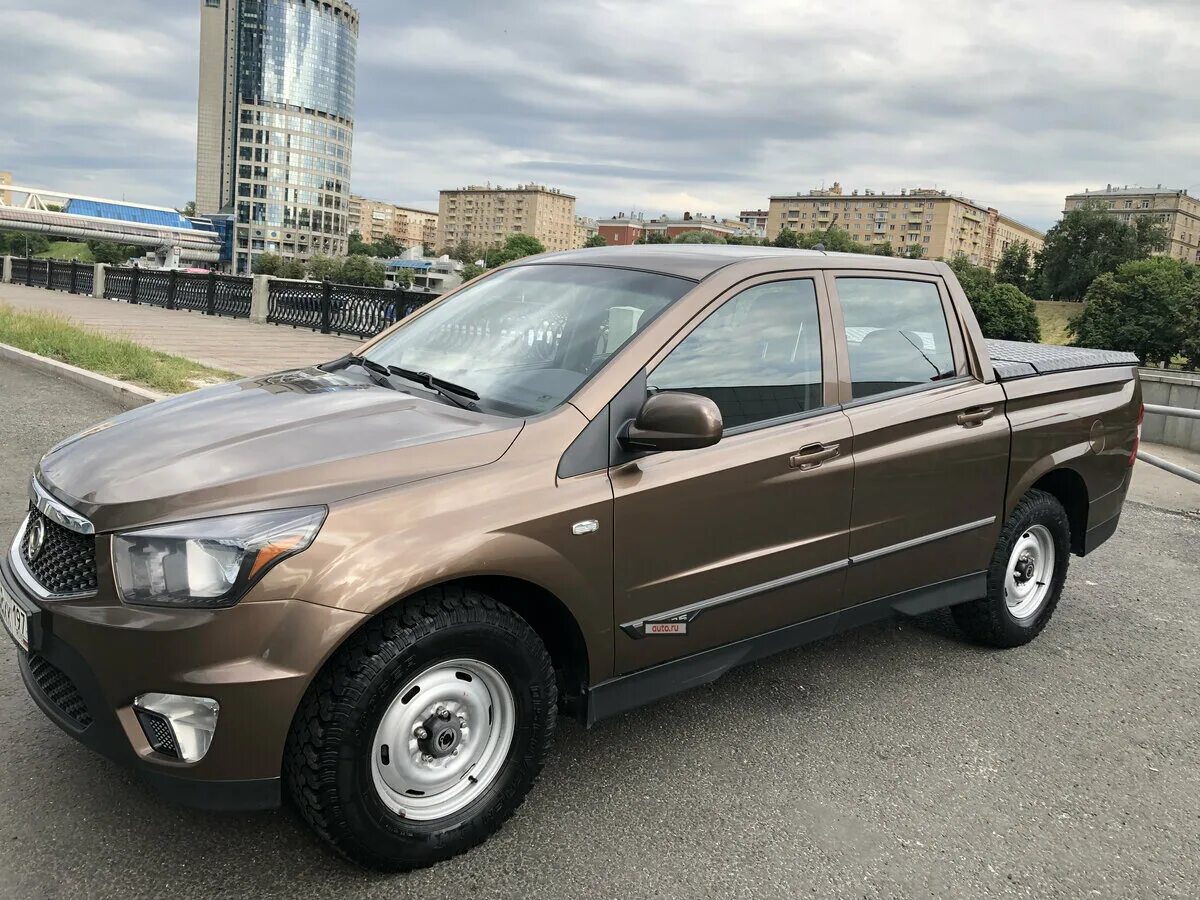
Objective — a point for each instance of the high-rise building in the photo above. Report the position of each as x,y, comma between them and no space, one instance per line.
276,122
6,196
375,219
488,216
585,229
1173,207
942,224
622,230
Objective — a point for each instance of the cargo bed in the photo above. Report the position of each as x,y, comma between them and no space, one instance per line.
1014,359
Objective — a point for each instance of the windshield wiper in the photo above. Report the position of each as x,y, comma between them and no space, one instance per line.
447,389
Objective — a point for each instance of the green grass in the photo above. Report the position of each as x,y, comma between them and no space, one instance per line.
61,339
1053,316
68,250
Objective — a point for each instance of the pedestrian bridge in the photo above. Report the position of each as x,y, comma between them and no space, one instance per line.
70,216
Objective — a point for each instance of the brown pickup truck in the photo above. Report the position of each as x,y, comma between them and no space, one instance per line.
575,485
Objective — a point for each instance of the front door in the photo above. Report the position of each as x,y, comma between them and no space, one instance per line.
751,534
931,441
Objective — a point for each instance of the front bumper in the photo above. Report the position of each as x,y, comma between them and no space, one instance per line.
89,659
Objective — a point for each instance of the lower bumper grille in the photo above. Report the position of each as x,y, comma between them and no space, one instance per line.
59,690
158,732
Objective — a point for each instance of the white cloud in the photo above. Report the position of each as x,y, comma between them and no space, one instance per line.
680,104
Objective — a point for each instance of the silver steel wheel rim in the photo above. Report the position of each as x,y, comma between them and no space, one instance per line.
443,739
1030,572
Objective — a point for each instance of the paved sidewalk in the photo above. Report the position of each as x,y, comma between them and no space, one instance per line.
231,344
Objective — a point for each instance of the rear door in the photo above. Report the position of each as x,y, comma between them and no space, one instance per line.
719,544
931,441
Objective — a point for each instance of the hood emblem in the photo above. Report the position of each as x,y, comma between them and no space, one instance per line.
35,540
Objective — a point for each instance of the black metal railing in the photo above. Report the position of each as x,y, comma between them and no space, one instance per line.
202,292
344,309
340,308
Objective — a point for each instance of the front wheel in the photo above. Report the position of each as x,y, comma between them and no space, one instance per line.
425,732
1025,577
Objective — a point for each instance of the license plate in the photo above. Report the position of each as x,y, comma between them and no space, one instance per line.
16,620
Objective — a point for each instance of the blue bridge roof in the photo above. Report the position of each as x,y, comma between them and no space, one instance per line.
123,213
410,263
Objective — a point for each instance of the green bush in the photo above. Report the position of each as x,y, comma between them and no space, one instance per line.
1002,310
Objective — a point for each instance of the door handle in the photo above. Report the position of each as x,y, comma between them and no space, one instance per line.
969,418
813,455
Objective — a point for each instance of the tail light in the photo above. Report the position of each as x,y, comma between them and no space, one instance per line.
1137,436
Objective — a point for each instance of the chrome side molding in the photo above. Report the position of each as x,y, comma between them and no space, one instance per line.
687,614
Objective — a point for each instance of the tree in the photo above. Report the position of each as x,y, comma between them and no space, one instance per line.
1189,324
1142,308
596,240
884,249
1085,244
358,247
914,251
291,268
361,269
1002,310
832,239
1014,265
470,270
1151,236
189,209
516,247
325,268
657,236
464,251
747,240
698,237
786,238
112,254
267,264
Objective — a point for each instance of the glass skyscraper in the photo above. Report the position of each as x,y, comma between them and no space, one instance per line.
276,123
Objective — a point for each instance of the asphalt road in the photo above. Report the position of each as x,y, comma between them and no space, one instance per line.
896,761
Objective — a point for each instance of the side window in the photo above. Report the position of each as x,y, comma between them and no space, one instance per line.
758,357
896,334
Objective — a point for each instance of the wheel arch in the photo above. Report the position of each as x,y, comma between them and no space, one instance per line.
1068,487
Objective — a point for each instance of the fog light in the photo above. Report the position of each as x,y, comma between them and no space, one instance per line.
191,722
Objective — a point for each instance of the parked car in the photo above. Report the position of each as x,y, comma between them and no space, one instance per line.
578,484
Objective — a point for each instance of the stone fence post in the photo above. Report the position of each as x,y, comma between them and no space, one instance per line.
260,299
98,276
7,269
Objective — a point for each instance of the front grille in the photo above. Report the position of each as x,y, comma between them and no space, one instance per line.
158,732
66,562
59,690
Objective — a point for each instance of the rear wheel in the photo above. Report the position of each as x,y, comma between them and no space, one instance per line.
425,732
1025,577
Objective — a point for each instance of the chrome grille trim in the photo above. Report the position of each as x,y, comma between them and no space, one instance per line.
58,512
25,577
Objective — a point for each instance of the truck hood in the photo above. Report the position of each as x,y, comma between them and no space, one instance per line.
289,439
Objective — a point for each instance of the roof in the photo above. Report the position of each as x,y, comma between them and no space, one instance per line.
1128,192
409,264
122,212
698,261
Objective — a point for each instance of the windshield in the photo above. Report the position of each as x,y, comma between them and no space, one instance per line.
524,339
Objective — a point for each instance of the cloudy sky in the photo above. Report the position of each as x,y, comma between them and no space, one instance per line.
701,105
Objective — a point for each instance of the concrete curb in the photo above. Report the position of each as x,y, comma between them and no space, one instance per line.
126,395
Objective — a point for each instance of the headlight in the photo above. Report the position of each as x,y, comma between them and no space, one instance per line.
208,563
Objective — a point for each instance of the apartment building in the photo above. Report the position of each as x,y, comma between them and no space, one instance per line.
944,225
755,220
622,230
486,215
1172,207
376,219
585,228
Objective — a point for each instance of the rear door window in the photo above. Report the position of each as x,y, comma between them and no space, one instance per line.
896,334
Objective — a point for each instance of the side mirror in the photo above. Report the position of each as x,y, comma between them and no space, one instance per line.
674,421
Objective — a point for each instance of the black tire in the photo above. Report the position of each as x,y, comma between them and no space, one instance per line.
989,620
327,759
